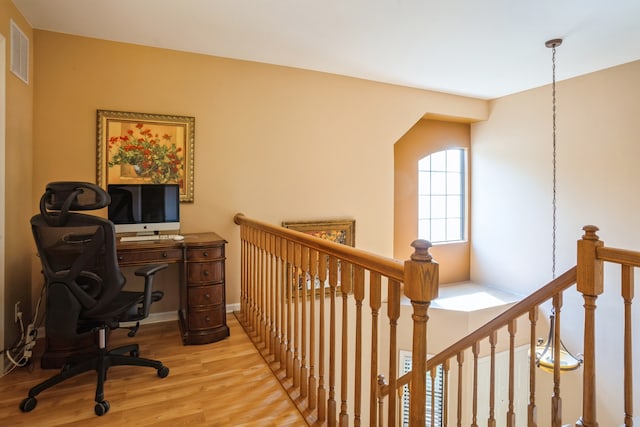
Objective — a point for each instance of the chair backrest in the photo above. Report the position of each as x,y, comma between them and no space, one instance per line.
78,256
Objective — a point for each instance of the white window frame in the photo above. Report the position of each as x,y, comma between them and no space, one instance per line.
442,196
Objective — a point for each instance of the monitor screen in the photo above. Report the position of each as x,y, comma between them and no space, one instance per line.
144,208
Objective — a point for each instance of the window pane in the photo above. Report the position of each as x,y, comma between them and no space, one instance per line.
424,164
424,183
454,163
454,181
424,207
441,196
438,183
439,161
438,207
454,207
454,229
438,230
423,229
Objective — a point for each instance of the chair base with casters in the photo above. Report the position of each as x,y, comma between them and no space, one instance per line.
101,364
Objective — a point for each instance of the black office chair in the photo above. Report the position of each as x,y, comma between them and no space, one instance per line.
84,284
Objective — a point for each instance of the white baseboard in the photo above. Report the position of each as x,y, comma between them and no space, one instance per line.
167,316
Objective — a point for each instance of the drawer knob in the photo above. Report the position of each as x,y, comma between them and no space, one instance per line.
205,253
120,258
206,272
207,319
207,296
164,254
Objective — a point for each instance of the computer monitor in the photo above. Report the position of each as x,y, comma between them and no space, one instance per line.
144,208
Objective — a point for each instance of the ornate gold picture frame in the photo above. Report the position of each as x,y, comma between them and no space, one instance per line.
340,230
138,148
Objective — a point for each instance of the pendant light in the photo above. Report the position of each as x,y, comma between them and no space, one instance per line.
545,350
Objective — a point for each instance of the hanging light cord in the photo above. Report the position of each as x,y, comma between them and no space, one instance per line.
553,44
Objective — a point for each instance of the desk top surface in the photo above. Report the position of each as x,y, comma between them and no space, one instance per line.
190,239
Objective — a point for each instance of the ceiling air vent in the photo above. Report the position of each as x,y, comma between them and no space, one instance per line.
19,53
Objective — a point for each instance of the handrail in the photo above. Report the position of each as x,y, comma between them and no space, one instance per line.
543,294
389,267
619,256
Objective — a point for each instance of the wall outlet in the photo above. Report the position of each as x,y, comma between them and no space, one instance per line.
17,312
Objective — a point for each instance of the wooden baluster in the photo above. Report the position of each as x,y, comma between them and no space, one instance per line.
267,291
445,394
296,315
476,350
375,301
243,277
532,411
322,392
393,313
346,287
269,286
591,284
261,293
381,384
333,283
627,295
511,415
556,400
304,372
254,282
313,274
432,416
358,294
460,360
491,422
277,301
290,286
421,287
274,295
282,266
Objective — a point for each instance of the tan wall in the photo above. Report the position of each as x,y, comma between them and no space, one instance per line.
18,177
424,138
598,152
272,142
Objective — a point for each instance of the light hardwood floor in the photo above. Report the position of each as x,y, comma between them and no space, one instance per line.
220,384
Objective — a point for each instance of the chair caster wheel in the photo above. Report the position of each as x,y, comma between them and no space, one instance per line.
163,372
102,408
28,404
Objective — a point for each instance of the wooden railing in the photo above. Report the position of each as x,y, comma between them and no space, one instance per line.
304,300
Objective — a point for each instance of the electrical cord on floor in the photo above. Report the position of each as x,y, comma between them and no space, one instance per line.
21,352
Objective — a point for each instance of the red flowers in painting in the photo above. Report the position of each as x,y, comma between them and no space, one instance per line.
153,156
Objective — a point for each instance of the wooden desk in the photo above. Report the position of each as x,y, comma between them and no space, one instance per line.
202,312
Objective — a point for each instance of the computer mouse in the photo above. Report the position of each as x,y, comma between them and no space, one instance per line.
178,237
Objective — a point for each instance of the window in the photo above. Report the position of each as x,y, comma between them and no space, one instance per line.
441,196
438,387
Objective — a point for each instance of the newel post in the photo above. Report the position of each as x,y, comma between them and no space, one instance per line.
591,284
421,287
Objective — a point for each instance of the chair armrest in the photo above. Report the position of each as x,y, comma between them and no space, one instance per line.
150,270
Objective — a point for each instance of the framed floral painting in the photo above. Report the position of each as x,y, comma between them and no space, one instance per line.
340,230
138,148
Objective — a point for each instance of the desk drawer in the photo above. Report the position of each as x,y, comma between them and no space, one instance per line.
205,295
206,319
202,272
205,254
149,256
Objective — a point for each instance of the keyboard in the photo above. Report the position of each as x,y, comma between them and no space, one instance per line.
151,237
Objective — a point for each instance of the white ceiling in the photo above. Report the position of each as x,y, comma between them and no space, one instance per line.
484,49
